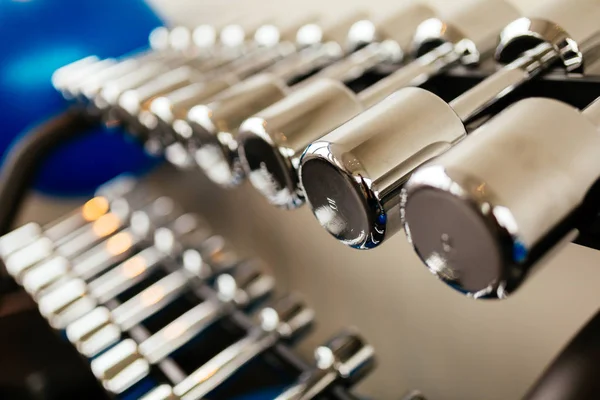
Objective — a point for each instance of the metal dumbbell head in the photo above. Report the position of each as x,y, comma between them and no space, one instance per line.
189,230
399,26
275,45
244,285
214,126
481,215
61,307
123,245
353,176
57,230
566,26
465,34
559,32
472,28
348,354
121,367
272,142
350,175
62,76
76,243
287,316
344,359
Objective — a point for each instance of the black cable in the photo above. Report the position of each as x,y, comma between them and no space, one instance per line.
26,157
24,161
573,375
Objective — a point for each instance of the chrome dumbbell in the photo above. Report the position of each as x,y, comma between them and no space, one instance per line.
316,44
483,214
214,133
345,359
107,98
353,176
82,79
102,328
60,230
273,44
68,301
96,220
284,320
272,142
244,286
112,251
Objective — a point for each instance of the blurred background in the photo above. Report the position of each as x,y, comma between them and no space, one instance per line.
426,336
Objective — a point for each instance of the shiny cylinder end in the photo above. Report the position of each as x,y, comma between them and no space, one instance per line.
483,214
352,176
288,316
459,240
349,354
271,143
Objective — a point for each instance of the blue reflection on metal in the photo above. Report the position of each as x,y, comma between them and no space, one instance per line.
520,251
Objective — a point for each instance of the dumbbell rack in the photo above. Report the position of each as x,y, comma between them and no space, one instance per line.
281,357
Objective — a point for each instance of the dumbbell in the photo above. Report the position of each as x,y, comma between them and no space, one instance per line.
317,44
107,96
275,45
243,287
101,219
267,49
213,137
272,142
78,294
284,320
59,230
486,212
83,78
353,176
345,359
102,328
117,249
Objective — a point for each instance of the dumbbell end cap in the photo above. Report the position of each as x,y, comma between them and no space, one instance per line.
267,166
526,33
341,197
461,233
349,354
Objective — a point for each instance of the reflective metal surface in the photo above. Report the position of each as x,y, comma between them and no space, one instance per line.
481,215
212,138
364,162
286,318
272,142
346,357
352,177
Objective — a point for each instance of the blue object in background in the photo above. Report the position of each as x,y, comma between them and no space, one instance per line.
39,36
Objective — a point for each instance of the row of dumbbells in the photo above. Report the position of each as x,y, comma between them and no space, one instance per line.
296,117
138,287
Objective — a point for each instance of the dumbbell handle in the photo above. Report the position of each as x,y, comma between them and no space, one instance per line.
413,74
574,373
212,374
182,330
471,104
